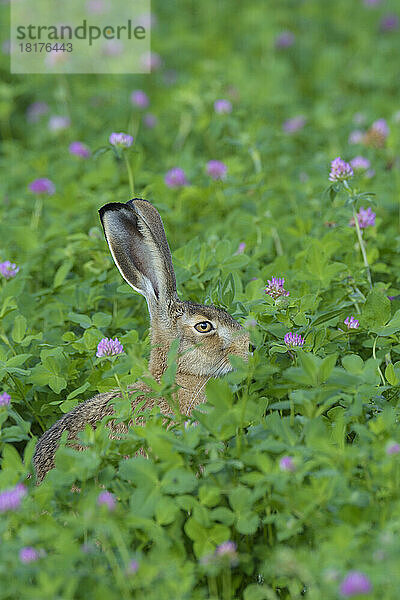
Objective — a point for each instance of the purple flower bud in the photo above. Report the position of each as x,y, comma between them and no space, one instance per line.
140,99
52,59
175,178
79,149
106,499
392,448
294,124
42,186
275,287
35,111
112,48
109,347
151,61
284,40
293,340
8,269
216,169
250,323
241,248
359,163
28,555
389,22
351,323
356,137
150,120
366,218
377,134
227,550
133,567
95,7
58,123
286,464
381,127
340,170
11,499
355,583
222,107
5,399
121,140
147,20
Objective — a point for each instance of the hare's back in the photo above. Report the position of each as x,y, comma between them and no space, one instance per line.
88,412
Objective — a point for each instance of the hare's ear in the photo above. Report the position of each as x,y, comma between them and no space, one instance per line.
139,247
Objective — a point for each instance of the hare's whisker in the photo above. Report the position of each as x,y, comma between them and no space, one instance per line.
196,394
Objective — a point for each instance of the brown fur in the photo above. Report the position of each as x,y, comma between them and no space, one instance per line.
137,241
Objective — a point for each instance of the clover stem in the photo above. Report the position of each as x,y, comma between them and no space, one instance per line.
212,588
115,567
130,175
123,392
37,211
374,355
362,246
277,241
226,584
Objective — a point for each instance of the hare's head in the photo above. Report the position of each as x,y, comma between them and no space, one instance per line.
208,335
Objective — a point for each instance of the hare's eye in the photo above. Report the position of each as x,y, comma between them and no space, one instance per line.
204,327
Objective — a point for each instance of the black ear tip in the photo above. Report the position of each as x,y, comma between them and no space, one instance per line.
132,202
110,206
118,205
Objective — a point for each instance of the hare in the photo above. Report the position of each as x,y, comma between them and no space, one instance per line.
207,335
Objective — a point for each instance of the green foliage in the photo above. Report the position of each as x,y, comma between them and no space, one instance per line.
332,406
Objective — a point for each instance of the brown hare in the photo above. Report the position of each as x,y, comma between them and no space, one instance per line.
207,335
